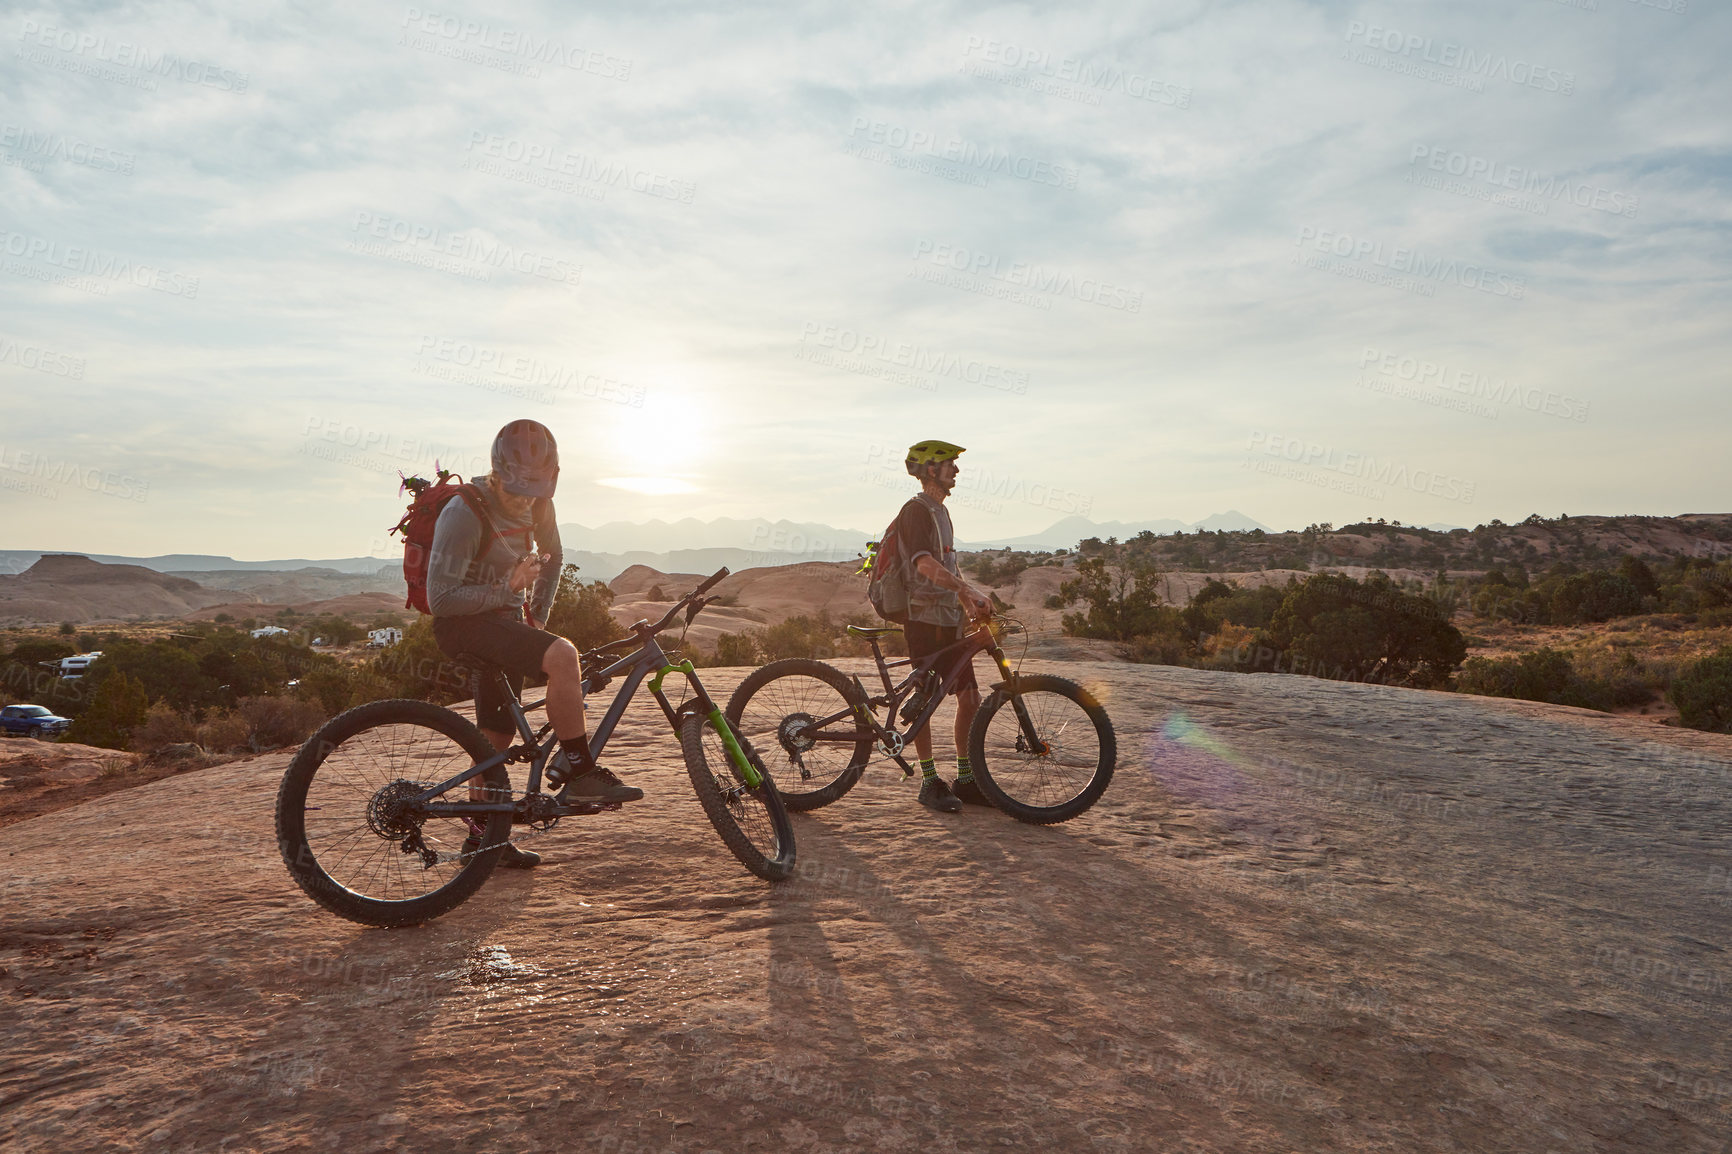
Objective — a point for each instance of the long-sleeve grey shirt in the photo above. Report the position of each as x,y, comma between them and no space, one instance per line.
456,590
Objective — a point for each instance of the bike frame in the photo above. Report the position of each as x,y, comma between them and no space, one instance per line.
958,654
536,747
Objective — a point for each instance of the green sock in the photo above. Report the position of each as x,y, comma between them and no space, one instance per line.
964,771
928,770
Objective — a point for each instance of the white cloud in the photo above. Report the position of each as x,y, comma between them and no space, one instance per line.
654,233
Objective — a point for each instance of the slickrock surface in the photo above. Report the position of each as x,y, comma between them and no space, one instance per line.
1307,916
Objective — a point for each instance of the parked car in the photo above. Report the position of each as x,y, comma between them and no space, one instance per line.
32,721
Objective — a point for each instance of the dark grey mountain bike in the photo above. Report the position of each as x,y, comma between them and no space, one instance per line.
1042,748
374,810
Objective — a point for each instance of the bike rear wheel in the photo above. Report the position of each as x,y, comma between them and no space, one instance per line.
753,822
770,707
1064,771
352,839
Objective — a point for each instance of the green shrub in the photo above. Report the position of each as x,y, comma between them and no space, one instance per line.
1702,691
1123,601
1599,681
580,612
273,722
800,636
1334,626
118,706
736,649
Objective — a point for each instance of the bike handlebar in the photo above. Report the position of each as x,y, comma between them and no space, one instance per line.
688,599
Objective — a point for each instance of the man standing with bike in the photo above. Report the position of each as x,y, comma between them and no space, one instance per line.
941,608
478,584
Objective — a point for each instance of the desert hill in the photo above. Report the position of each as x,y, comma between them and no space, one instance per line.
68,587
1307,916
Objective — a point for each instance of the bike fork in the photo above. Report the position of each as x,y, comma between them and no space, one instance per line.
1035,745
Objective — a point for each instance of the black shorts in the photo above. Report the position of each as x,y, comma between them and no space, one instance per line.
504,639
924,640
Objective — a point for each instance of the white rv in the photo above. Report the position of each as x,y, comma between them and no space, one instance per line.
72,668
269,631
379,638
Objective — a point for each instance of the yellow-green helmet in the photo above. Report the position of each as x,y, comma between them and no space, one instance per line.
930,453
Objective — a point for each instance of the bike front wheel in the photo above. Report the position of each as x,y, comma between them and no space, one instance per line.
353,837
1053,767
752,820
777,709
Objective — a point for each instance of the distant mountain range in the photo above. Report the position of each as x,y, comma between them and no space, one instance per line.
684,546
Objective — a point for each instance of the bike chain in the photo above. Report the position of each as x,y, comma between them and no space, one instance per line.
494,793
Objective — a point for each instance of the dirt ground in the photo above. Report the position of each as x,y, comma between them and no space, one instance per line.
1307,916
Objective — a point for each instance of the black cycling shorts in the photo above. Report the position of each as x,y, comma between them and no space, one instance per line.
924,640
501,638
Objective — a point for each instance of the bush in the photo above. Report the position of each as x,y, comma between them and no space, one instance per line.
342,687
163,725
273,722
415,667
736,649
118,706
1599,681
1593,596
1702,691
1123,602
1338,627
580,612
223,730
800,636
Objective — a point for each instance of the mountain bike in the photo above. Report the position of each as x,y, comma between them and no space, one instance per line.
1042,748
373,812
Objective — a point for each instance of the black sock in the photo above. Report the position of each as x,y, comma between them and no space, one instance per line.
576,751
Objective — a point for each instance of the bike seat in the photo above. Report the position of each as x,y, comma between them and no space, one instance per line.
866,631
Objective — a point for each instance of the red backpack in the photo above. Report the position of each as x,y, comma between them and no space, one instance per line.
417,525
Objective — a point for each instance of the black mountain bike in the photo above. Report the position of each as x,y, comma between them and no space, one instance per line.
1042,748
373,811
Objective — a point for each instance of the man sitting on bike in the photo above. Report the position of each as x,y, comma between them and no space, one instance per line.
941,606
478,595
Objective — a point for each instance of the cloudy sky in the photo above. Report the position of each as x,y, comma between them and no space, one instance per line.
1313,261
